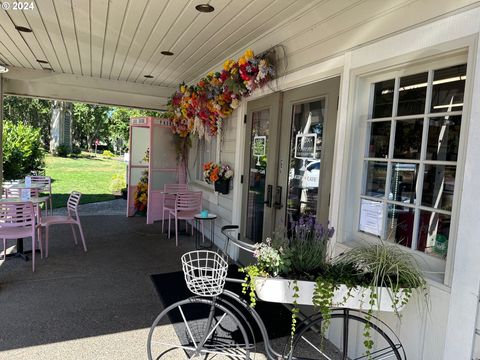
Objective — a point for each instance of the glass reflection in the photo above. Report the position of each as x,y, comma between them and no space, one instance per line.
433,233
403,183
306,140
443,138
412,94
379,139
408,139
400,224
438,185
383,99
376,178
257,175
448,88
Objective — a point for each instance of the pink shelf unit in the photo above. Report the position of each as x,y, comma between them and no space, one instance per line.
152,135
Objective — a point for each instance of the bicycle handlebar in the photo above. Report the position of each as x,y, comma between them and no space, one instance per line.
226,230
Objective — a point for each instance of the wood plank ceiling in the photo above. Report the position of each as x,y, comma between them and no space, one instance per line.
123,39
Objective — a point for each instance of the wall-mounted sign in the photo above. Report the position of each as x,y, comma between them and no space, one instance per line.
259,146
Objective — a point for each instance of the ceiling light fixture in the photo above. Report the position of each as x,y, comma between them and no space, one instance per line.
3,69
167,53
42,61
49,69
205,8
23,29
148,76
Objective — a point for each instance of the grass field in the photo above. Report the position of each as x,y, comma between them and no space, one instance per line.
92,176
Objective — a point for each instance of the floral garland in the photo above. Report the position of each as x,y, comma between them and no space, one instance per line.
199,109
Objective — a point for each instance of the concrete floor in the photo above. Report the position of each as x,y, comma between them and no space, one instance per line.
94,305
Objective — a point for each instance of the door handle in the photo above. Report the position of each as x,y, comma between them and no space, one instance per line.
278,198
268,201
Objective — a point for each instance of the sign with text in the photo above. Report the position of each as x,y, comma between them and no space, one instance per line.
371,217
306,146
259,145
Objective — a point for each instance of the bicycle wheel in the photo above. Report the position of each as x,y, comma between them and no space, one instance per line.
197,328
344,339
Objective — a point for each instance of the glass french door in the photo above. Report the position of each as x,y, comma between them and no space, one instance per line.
289,157
259,179
309,118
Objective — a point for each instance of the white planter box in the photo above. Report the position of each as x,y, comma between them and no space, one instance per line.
281,291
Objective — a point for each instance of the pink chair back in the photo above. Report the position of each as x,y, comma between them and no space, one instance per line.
46,181
13,214
189,201
17,193
175,188
73,202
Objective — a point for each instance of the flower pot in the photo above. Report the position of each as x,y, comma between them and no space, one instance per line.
280,290
222,186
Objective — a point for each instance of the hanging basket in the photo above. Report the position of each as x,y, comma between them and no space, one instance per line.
222,186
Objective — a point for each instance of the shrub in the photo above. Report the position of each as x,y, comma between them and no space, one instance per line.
62,151
22,150
76,150
118,183
108,153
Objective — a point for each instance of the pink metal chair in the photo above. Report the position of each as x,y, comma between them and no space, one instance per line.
46,181
17,220
170,192
187,204
72,218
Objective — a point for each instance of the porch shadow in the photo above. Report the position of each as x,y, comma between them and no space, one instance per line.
74,295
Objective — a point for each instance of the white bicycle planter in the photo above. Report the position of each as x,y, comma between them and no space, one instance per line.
211,324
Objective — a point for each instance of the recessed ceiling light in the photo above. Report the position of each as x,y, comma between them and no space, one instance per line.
3,69
42,61
148,76
166,53
205,8
23,29
49,69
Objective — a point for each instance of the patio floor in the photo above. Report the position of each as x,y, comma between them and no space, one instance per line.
95,305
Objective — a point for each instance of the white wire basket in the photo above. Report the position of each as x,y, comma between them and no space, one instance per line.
205,272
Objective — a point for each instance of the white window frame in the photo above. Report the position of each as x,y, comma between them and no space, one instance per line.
436,269
197,162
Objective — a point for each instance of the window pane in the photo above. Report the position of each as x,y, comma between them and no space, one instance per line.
376,178
408,139
403,183
400,225
383,99
379,139
438,186
433,233
448,88
443,138
412,94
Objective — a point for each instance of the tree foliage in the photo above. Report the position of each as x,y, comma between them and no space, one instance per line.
22,150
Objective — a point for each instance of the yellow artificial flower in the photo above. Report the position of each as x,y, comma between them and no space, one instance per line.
248,54
234,70
182,89
242,60
228,64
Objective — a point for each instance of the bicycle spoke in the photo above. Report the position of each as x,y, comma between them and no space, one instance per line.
384,354
213,330
188,327
316,348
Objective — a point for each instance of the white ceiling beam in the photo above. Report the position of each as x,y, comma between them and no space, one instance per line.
51,85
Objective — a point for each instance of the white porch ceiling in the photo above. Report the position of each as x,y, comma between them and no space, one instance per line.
123,39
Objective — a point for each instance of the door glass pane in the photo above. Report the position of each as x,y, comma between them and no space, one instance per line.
306,140
448,88
412,94
443,138
408,139
257,175
438,184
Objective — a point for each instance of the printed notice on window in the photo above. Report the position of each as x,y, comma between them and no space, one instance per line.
371,217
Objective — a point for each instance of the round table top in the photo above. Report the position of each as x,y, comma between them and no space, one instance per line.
33,199
210,216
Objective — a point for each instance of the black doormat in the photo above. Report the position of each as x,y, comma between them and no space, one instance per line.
171,288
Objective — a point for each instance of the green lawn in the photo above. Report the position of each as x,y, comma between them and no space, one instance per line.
91,176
